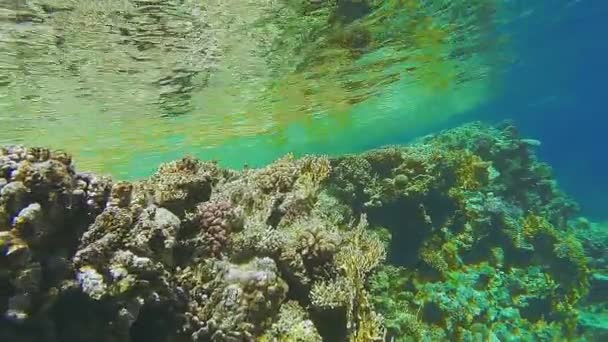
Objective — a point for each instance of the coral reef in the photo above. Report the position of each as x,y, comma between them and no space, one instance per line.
463,235
594,311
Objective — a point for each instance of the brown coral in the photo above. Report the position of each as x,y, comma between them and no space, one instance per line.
216,220
179,185
279,176
120,195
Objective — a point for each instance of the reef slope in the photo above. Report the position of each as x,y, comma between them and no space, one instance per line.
462,236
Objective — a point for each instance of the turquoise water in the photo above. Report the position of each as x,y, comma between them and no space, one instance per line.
166,78
461,233
125,85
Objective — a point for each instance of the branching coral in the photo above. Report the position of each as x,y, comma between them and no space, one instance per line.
292,325
564,252
362,254
297,251
351,176
330,295
388,288
473,172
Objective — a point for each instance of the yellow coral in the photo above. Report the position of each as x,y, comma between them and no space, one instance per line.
362,254
565,247
330,294
534,225
434,258
318,168
472,172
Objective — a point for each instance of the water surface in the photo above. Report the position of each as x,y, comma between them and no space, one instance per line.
126,84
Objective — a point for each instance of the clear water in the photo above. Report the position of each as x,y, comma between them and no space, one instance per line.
126,84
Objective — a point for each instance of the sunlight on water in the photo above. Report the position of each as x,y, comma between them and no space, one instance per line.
124,84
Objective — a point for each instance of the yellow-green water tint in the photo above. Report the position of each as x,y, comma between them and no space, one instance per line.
126,84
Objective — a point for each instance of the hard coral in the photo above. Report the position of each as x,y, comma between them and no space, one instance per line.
43,211
215,222
244,297
181,184
362,254
292,325
474,229
279,176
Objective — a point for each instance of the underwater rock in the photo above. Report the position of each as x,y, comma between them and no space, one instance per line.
463,235
245,296
43,212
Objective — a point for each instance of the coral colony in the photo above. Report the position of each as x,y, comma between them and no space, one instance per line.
460,236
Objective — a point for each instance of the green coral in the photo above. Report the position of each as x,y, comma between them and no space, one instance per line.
391,298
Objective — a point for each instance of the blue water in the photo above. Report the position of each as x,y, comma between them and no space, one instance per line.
556,90
556,93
